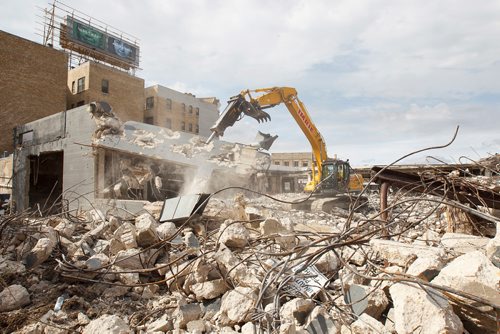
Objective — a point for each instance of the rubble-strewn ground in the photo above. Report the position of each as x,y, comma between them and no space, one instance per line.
254,265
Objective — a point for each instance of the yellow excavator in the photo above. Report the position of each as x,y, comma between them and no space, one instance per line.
330,176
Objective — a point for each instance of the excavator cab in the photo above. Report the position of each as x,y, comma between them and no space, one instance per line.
335,177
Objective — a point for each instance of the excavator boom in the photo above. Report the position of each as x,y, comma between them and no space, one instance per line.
246,104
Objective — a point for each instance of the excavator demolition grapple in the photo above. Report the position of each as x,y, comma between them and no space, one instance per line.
333,181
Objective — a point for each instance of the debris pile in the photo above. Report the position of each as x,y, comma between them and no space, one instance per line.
253,265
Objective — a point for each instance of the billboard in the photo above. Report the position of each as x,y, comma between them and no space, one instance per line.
95,39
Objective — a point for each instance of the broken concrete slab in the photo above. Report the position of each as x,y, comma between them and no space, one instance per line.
389,323
237,306
166,230
271,226
403,254
162,324
150,291
40,253
423,309
196,326
8,267
296,311
135,258
186,313
367,299
97,261
493,248
14,297
146,227
126,234
233,234
426,268
356,256
210,289
473,273
327,263
107,324
365,324
237,271
320,321
64,227
464,243
493,251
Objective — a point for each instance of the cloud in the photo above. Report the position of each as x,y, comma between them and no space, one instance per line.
379,78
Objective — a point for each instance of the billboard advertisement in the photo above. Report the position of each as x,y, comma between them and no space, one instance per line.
85,35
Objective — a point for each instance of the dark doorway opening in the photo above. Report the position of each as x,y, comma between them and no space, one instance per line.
288,185
46,182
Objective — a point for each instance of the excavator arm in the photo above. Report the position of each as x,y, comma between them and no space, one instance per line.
246,103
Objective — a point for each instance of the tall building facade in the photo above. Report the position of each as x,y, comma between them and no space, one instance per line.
32,84
178,111
92,81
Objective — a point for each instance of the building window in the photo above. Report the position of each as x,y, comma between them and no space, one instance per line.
149,120
190,127
183,126
305,164
191,109
197,110
150,102
286,163
73,87
277,163
105,86
80,103
183,107
197,129
169,104
168,123
81,85
295,164
72,105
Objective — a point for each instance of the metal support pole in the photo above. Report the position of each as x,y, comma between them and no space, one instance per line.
384,187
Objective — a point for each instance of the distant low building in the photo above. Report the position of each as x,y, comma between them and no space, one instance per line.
292,159
180,111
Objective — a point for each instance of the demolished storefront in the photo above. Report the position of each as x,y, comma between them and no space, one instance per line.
85,158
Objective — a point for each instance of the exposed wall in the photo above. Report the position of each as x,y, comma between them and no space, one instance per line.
197,112
6,175
32,83
125,91
71,132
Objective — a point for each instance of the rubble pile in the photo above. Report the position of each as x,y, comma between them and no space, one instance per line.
252,265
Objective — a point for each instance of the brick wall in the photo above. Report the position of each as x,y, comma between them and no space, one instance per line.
32,84
125,94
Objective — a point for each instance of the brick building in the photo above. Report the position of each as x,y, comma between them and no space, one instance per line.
180,111
32,83
92,81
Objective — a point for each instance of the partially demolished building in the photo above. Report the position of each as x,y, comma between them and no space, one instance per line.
86,158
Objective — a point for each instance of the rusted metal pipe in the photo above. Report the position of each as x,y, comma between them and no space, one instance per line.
384,187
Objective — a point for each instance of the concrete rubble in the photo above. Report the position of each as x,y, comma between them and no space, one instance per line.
244,266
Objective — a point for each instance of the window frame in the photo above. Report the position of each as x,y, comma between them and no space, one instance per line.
105,88
80,85
150,102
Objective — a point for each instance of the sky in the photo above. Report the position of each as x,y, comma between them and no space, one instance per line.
380,79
